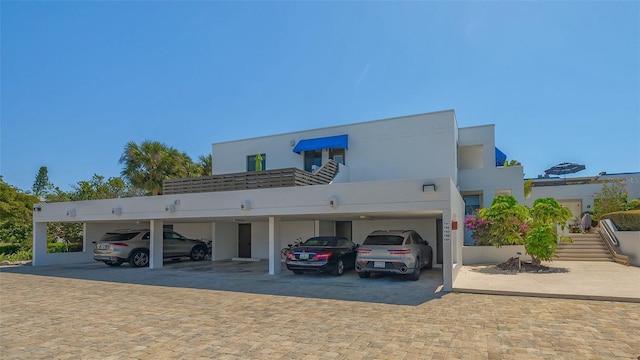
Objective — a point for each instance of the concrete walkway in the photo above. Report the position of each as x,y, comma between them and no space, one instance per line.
569,280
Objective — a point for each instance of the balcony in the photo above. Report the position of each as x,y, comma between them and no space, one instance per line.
252,180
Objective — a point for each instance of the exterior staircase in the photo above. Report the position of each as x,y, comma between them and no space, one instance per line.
585,247
327,171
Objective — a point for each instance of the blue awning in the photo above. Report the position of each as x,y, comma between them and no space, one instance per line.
331,142
500,157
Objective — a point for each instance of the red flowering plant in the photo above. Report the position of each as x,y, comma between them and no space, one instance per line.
480,229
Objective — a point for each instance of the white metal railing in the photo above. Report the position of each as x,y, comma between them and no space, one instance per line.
607,227
607,233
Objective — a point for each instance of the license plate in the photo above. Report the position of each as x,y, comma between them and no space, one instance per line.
379,264
103,246
304,256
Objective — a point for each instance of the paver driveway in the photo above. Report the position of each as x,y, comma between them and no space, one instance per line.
53,317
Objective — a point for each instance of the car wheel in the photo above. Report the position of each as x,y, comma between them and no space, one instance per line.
339,270
139,258
416,272
364,275
198,253
113,263
298,272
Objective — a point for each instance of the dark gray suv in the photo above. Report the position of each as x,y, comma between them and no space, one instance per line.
132,246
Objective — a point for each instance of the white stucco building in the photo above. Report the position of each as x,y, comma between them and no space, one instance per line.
412,172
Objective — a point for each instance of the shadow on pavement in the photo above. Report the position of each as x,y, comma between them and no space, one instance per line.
253,277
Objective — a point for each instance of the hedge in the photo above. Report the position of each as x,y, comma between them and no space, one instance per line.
8,249
624,220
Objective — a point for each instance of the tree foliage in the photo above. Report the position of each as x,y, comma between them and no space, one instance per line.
508,223
206,165
41,185
16,215
98,188
507,220
148,164
612,197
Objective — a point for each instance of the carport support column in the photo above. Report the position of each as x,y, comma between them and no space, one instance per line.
155,244
274,245
39,243
447,252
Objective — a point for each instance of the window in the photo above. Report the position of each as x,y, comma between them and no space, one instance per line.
345,243
251,162
383,240
472,204
337,155
311,158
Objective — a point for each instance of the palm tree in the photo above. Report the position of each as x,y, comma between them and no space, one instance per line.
206,165
148,164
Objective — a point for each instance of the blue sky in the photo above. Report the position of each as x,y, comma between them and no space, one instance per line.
560,80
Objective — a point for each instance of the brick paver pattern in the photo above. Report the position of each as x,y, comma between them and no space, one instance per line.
62,318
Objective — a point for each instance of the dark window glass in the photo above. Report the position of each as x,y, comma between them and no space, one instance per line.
119,236
251,162
312,158
337,155
320,241
383,240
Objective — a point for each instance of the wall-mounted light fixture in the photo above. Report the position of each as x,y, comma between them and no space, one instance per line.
428,188
170,208
71,213
116,211
176,202
245,205
333,202
292,142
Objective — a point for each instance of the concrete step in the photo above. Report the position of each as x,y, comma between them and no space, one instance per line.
585,247
583,259
582,250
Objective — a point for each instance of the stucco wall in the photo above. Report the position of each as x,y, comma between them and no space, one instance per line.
491,255
629,245
194,230
492,179
225,241
399,148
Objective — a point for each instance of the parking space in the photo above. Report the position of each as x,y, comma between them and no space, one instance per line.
252,277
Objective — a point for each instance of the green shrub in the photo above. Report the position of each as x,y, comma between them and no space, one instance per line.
634,204
625,220
56,247
19,256
61,247
8,249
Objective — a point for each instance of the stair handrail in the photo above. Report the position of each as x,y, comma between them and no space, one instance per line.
608,227
609,238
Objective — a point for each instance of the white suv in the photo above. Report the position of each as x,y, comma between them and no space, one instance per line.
132,246
394,251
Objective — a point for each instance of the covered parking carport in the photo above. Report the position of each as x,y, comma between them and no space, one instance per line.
277,213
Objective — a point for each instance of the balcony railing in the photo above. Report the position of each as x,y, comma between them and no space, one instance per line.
252,180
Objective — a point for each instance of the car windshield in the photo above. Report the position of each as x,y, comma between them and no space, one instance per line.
119,236
320,241
383,240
